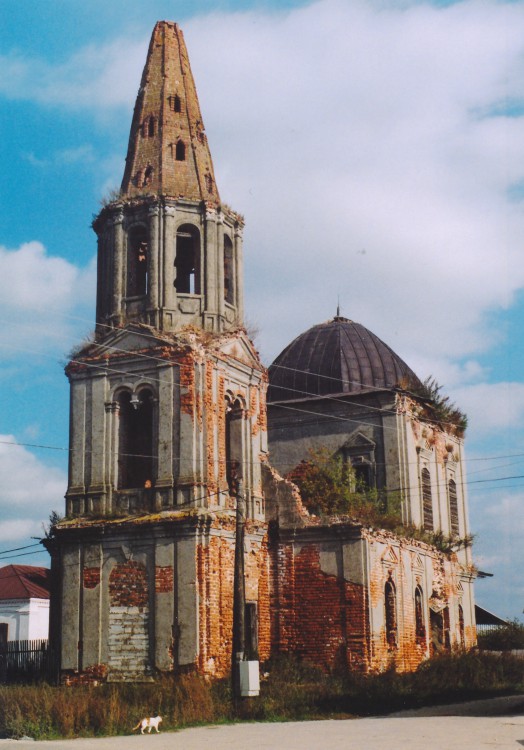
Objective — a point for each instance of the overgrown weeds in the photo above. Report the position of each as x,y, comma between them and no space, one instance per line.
293,690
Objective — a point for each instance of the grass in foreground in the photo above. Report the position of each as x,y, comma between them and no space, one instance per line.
293,691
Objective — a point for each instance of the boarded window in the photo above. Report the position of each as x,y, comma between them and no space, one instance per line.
427,500
420,628
229,291
187,260
390,598
135,440
453,508
137,262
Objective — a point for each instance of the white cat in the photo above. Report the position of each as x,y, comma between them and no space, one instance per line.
149,724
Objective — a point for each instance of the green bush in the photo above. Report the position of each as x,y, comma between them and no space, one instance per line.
506,638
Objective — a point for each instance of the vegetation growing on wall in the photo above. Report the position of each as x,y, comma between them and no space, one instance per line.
328,488
438,408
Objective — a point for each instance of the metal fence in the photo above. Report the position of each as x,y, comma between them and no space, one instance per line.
25,661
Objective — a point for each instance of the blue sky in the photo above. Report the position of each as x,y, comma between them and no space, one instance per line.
377,152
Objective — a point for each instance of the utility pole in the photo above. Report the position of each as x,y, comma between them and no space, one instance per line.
239,589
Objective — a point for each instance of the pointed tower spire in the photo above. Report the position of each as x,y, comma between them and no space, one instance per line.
169,253
168,153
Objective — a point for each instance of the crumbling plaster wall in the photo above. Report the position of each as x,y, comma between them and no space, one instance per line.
134,606
328,596
425,444
190,379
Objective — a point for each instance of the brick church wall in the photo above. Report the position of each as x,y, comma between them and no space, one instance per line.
320,617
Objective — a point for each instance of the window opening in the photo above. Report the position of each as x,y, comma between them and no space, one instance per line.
251,637
362,473
180,151
175,103
187,257
4,632
229,292
148,175
391,614
453,508
137,262
427,501
151,127
135,440
420,629
461,626
234,445
209,183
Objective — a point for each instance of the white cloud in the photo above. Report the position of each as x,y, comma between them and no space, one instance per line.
30,490
492,407
370,169
368,147
40,295
98,77
64,157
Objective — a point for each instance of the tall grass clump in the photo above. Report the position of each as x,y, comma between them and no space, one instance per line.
292,690
46,712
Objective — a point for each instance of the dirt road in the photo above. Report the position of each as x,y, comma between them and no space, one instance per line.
497,723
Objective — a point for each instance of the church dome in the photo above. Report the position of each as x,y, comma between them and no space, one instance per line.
337,357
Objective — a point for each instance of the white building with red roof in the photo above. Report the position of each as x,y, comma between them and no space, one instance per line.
24,603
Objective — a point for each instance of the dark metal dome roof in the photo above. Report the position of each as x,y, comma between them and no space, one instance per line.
336,357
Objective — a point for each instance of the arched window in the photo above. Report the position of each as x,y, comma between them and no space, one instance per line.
135,439
229,290
175,103
461,627
137,262
234,444
453,508
420,628
209,183
187,260
148,175
180,151
151,128
390,600
427,501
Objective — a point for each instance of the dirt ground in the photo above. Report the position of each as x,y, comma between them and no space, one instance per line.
496,723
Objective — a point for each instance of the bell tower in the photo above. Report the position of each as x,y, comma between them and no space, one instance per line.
170,254
168,416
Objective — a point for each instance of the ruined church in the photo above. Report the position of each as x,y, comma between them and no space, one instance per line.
168,419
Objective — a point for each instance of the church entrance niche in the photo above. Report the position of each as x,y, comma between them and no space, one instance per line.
135,440
187,260
234,445
136,262
229,290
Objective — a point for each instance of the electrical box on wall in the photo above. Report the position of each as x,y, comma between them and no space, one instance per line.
249,679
